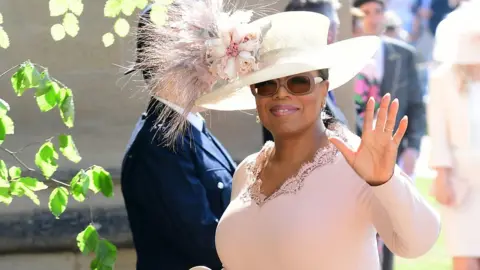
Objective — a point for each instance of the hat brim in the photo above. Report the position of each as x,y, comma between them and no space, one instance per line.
343,59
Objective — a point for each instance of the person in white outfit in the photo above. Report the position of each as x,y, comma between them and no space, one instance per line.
454,130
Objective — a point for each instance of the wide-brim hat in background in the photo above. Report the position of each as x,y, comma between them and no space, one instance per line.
457,40
295,43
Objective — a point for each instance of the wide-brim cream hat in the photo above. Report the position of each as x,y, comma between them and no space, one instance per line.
457,39
296,42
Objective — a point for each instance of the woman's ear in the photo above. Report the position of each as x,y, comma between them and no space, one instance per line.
327,85
324,88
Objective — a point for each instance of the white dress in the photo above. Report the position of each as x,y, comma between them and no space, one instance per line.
454,131
461,223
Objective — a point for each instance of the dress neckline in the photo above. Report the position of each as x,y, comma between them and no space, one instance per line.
323,156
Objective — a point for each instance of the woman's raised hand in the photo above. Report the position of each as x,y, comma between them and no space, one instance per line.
376,157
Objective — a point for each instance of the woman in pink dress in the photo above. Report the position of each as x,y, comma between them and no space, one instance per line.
317,196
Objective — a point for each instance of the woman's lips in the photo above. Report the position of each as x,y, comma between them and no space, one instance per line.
282,110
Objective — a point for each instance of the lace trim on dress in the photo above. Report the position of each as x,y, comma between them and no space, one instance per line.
323,156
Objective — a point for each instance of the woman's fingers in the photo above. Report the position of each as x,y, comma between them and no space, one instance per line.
392,117
382,113
369,115
402,128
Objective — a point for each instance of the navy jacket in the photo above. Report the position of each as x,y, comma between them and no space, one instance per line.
440,9
174,199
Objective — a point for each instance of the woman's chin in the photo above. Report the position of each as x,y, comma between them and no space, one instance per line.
285,131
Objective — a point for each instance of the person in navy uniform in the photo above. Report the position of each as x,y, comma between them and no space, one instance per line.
174,194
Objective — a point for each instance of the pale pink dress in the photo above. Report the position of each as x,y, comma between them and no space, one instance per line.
323,218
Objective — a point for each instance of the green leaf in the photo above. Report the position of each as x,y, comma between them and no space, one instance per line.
6,127
141,4
158,14
46,159
26,77
121,27
19,189
87,240
3,132
76,6
32,196
3,171
57,7
112,8
4,39
33,183
47,96
128,7
14,172
101,180
68,148
8,123
43,81
5,196
58,32
70,23
94,265
58,201
108,39
4,107
106,254
67,107
79,186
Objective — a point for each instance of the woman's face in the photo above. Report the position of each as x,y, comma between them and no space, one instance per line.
284,113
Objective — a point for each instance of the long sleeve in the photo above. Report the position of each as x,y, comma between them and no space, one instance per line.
440,153
416,106
187,198
407,224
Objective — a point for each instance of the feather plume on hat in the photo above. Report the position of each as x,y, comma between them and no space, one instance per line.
200,44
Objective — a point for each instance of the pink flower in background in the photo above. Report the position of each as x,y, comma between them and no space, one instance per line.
366,85
234,53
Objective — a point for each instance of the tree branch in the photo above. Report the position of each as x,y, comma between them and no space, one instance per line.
53,79
14,155
33,143
8,70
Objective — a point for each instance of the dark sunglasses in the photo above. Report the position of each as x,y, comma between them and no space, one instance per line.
297,85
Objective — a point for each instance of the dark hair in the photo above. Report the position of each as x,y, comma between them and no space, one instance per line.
329,120
322,7
143,20
359,3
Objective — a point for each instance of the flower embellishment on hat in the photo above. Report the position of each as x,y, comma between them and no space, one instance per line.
235,52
